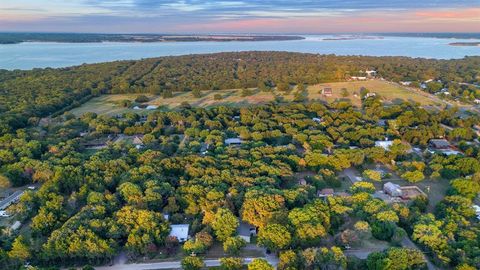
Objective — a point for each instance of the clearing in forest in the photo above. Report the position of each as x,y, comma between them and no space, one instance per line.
389,92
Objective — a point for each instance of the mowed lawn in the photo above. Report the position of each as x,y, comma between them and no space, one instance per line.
389,92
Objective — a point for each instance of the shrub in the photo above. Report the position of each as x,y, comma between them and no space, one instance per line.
142,99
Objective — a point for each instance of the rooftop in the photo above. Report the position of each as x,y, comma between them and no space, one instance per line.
180,231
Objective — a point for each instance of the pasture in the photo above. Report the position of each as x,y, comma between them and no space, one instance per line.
389,92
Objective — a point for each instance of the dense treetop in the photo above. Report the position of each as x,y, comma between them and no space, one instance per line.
40,92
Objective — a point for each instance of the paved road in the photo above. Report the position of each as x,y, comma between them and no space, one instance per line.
169,265
10,199
352,174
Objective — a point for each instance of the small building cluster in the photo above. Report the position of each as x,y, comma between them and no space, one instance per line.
405,193
442,146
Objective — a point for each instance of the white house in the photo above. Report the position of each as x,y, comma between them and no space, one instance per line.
371,73
180,231
233,141
392,189
477,210
384,144
151,107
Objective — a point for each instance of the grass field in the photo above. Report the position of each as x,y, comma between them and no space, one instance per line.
108,104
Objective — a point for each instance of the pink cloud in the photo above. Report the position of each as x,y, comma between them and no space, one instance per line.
459,20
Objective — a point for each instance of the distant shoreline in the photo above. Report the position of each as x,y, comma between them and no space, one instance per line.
470,44
16,38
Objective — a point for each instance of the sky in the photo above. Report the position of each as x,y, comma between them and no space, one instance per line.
239,16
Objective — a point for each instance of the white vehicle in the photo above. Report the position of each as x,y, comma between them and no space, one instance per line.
4,214
31,187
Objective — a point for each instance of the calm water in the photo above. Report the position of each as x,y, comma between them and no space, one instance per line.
39,55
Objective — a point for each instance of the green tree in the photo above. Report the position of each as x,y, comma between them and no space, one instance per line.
224,224
233,245
274,237
259,264
20,249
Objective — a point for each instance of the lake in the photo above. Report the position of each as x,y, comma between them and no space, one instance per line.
42,54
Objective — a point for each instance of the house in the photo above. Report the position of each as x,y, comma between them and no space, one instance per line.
477,211
233,141
138,141
302,182
316,120
392,189
151,107
16,225
179,231
371,73
327,91
439,144
326,192
384,144
4,213
476,101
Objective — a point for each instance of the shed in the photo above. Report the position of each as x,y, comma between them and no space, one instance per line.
392,189
16,225
180,231
233,141
327,91
439,144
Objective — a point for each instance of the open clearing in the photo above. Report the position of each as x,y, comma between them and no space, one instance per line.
389,92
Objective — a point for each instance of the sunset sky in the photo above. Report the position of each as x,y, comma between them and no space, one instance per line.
248,16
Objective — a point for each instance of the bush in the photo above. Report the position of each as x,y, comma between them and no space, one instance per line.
362,186
372,175
192,263
142,99
217,97
231,263
246,92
